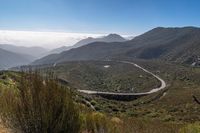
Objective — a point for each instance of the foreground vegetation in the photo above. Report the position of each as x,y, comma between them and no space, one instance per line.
32,104
173,110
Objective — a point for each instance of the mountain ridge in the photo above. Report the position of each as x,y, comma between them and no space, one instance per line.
109,38
171,44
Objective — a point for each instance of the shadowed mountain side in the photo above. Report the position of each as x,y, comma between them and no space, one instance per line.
83,53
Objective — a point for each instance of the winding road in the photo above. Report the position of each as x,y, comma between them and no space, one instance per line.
162,86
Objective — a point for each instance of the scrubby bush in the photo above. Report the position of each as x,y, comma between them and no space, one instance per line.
96,123
100,123
39,105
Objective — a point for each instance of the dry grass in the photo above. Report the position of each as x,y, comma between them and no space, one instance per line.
101,123
39,105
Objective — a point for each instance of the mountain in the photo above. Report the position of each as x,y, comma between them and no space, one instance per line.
108,38
10,59
170,44
36,52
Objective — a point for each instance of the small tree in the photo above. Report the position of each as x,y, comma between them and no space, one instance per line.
39,105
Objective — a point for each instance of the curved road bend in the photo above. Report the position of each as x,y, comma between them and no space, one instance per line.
162,86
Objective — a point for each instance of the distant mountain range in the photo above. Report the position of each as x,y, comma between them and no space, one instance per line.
10,59
36,52
12,56
108,38
171,44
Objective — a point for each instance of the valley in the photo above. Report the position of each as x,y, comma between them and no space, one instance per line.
93,75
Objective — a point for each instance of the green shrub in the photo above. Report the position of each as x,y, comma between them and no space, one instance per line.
39,105
93,102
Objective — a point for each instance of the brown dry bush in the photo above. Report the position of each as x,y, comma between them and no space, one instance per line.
39,105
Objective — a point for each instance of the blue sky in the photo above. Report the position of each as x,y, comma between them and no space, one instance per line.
97,16
64,22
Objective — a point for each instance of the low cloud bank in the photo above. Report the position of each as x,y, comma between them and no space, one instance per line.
48,40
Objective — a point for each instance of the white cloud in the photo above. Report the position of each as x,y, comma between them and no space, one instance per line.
44,39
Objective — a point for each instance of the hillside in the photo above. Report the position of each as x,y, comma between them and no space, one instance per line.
59,50
104,76
10,59
171,44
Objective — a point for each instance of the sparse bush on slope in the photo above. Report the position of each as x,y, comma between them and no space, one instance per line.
96,122
39,105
